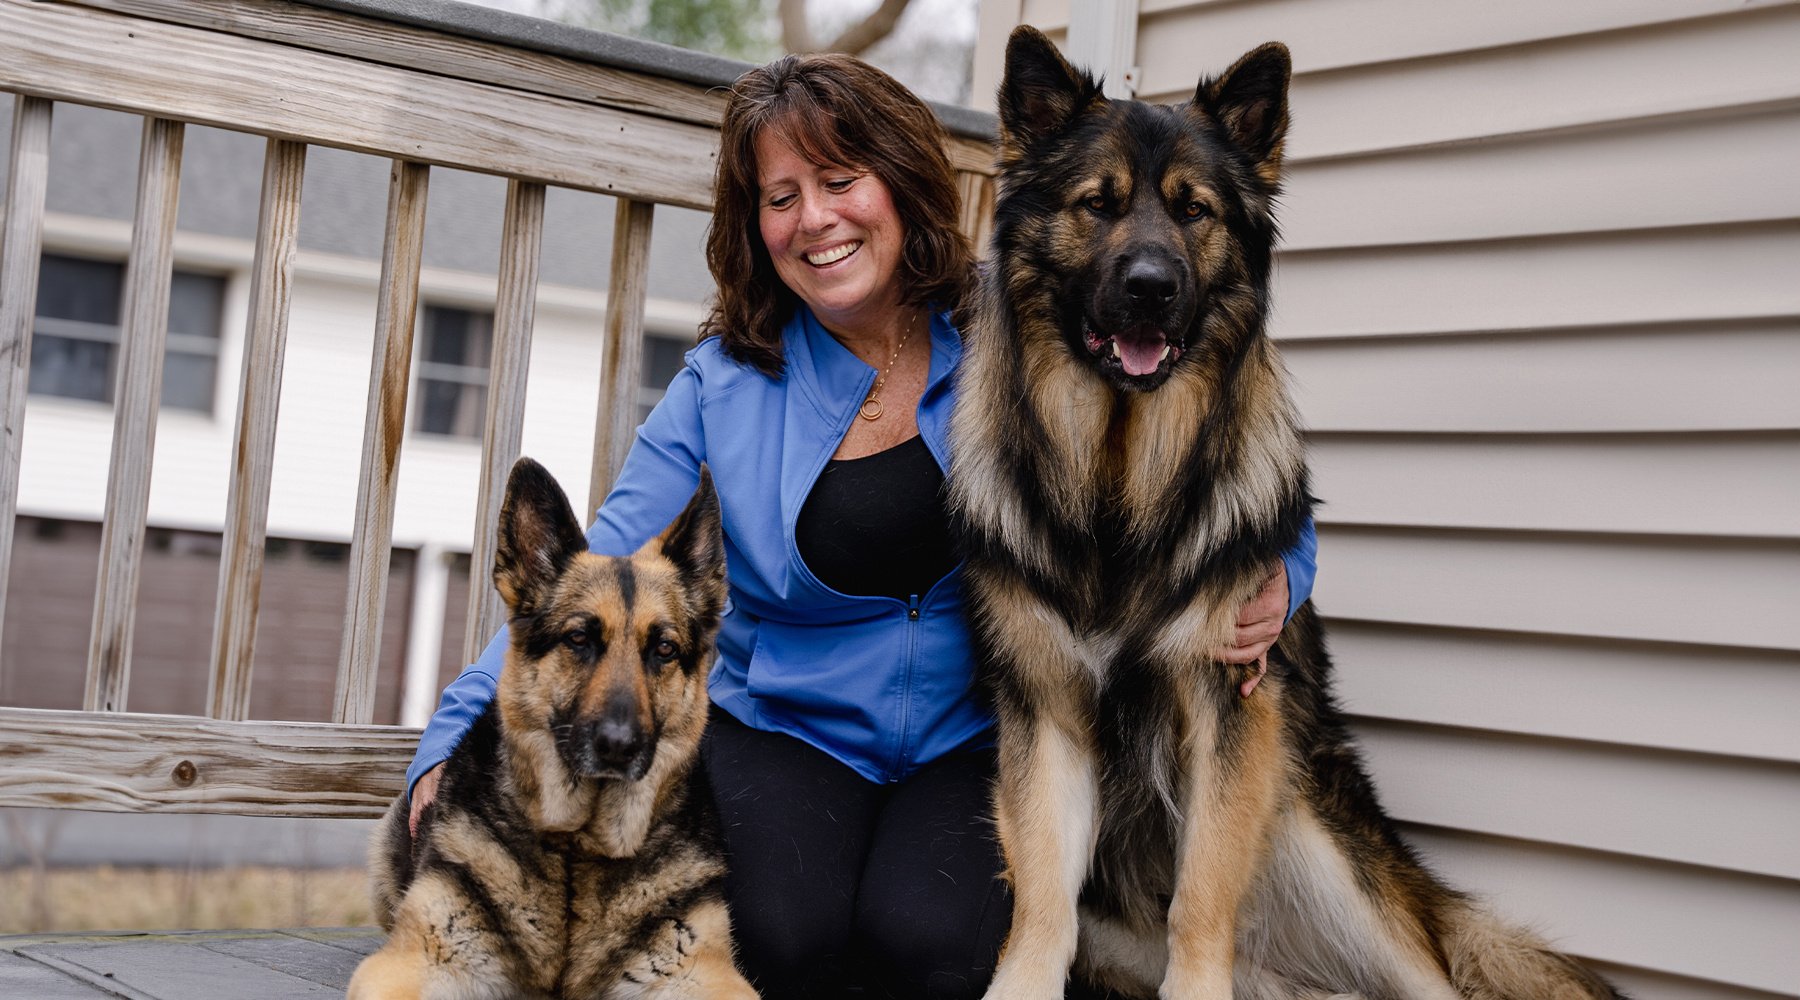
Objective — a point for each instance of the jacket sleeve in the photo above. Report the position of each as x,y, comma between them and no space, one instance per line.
1302,562
661,472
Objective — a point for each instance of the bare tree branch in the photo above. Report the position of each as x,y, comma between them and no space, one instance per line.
796,36
869,30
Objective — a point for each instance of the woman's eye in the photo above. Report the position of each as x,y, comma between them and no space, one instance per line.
781,201
840,184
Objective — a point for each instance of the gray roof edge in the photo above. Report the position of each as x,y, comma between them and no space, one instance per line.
634,54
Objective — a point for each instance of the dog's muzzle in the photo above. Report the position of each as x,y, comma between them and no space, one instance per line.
612,745
1129,330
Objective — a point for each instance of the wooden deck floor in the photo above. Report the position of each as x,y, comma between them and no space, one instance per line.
195,965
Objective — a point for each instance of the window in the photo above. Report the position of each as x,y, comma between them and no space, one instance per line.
456,350
75,339
662,362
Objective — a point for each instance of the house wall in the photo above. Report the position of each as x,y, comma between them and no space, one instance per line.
49,614
1540,296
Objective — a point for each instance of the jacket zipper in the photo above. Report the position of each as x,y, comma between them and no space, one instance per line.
906,692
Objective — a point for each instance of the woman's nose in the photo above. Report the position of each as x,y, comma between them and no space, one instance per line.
816,212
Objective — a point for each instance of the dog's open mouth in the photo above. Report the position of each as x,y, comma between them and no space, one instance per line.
1137,351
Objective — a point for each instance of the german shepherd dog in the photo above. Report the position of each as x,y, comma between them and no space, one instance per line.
572,849
1128,468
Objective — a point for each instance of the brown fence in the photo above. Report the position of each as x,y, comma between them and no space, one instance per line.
331,74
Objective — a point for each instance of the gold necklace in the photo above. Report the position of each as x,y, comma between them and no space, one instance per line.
871,407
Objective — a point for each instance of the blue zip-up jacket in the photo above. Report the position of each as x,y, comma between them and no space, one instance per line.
882,685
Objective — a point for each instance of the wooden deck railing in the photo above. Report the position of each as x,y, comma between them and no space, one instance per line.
425,86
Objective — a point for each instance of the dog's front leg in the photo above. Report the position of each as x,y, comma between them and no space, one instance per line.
686,959
1234,768
1045,806
405,969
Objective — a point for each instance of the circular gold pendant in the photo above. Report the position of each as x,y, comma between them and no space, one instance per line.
871,409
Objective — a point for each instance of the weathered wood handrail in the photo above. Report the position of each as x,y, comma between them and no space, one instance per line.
178,763
542,105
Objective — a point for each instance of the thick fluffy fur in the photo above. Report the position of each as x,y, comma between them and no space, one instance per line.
1128,469
572,850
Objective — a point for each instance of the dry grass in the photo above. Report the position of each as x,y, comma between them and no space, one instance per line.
108,898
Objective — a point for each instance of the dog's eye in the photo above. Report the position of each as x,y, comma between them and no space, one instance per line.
665,650
578,638
1195,210
1097,204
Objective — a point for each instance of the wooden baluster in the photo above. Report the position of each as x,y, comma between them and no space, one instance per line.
977,218
21,243
622,354
372,540
259,400
520,240
143,330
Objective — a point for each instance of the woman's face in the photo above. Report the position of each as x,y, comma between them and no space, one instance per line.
833,234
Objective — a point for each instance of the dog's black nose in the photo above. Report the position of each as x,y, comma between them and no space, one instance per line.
617,741
611,740
1150,281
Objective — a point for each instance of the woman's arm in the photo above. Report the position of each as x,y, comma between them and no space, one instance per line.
1302,564
659,475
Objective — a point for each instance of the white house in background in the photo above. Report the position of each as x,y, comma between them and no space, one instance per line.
324,396
1541,297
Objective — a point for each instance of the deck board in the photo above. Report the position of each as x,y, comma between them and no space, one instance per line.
309,960
362,940
22,977
199,965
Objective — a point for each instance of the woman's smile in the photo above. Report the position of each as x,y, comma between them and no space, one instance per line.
826,258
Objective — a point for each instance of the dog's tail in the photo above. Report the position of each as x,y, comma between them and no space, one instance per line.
1490,960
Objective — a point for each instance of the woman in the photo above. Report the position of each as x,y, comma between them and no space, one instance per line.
847,751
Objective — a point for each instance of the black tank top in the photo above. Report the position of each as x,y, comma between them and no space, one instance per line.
877,525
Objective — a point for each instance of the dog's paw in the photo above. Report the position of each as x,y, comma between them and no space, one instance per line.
388,975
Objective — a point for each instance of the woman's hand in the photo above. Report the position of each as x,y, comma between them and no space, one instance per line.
1258,626
425,790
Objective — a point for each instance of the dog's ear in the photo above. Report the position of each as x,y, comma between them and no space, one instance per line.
538,536
1041,92
1250,103
695,543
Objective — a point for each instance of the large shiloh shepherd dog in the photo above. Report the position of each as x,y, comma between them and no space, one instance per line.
572,850
1128,469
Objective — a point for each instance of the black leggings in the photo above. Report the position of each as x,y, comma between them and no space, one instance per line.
838,884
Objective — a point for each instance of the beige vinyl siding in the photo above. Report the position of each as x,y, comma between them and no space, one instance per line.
1540,296
1721,375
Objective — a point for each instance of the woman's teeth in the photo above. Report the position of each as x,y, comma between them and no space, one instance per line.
833,255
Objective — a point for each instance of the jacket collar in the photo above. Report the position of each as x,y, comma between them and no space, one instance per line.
837,380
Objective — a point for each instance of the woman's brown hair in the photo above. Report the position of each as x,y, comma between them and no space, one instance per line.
834,110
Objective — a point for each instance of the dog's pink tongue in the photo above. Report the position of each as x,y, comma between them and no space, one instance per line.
1140,351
